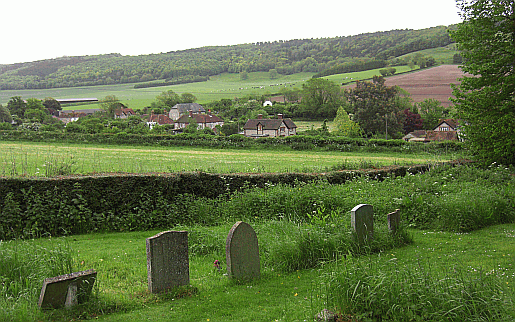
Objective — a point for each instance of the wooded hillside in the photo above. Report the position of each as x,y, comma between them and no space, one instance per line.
286,57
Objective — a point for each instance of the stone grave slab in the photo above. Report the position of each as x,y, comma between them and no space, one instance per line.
167,261
67,290
242,252
362,221
394,220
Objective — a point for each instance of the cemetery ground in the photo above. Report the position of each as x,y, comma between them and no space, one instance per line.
454,262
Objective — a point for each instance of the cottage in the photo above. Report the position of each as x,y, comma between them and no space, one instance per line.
203,121
261,127
179,110
123,113
158,119
446,125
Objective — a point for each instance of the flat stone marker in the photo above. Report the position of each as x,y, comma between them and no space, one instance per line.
394,220
362,220
242,252
67,290
167,261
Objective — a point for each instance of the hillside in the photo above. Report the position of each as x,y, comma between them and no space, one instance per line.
429,83
286,57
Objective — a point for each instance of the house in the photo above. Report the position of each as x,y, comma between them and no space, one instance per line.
261,127
203,121
446,125
158,119
123,113
415,136
179,110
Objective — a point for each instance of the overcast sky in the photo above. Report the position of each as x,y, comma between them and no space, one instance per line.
41,29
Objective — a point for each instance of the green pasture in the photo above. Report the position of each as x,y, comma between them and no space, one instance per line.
220,86
442,55
48,159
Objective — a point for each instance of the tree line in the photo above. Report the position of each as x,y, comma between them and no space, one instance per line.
286,57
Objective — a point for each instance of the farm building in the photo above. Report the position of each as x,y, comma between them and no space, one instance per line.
261,127
179,110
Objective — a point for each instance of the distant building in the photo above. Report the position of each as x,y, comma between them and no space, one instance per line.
179,110
261,127
203,121
123,113
159,119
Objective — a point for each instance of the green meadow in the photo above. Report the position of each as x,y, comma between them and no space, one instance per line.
220,86
44,159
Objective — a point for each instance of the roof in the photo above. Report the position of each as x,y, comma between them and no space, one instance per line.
199,118
269,124
187,107
160,119
76,100
452,123
125,111
442,135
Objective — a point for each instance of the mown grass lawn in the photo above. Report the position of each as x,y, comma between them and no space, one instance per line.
120,261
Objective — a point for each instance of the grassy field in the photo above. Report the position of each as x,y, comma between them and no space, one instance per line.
44,159
218,87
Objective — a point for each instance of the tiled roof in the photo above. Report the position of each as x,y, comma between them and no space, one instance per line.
199,118
187,107
269,124
160,119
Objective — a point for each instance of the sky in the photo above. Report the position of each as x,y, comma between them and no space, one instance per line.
33,30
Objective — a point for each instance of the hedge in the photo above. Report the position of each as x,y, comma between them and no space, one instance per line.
33,207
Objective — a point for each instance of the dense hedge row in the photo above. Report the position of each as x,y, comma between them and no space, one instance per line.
74,205
297,142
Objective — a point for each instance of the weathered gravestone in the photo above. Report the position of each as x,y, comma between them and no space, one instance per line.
67,290
167,261
242,252
362,221
394,220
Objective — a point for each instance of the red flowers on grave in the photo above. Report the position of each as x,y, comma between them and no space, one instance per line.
216,264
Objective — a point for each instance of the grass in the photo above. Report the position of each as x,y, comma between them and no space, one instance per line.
50,159
121,292
220,86
308,262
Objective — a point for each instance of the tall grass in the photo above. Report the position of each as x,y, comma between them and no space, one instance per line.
415,292
23,267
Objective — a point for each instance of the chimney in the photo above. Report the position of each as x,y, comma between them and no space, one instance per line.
260,116
279,116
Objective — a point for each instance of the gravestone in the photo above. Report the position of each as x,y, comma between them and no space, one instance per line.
242,252
362,221
167,261
67,290
394,220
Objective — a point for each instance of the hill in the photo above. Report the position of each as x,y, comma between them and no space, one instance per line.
286,57
429,83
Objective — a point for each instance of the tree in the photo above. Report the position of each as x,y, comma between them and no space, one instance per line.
273,73
17,106
188,98
168,99
110,104
375,107
5,115
52,103
431,111
412,122
344,125
320,98
485,99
